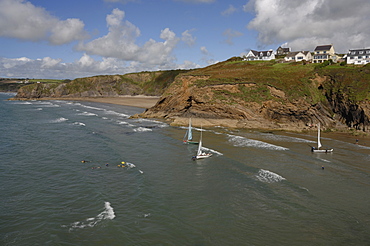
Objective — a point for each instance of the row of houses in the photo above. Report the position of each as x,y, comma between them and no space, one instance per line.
321,53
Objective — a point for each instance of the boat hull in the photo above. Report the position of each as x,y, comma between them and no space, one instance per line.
322,150
202,156
190,142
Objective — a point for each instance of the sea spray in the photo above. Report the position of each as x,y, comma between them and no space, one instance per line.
107,214
239,141
268,176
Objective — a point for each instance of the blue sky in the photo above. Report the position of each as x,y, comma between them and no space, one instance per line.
70,39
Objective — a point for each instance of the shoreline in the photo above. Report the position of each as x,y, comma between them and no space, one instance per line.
145,102
139,101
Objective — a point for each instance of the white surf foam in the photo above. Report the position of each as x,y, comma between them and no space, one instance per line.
111,112
79,124
142,129
268,176
130,165
107,214
89,107
87,114
59,120
323,160
239,141
211,150
21,103
286,138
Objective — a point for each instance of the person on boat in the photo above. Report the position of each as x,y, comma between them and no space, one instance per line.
312,148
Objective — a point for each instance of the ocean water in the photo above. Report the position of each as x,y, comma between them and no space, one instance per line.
258,188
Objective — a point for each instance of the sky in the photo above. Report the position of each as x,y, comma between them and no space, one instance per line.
80,38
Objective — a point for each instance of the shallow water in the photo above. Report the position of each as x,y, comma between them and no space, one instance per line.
257,188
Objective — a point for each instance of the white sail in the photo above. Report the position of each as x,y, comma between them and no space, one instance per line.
318,136
318,150
200,154
190,134
199,148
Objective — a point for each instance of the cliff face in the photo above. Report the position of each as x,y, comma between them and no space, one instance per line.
266,95
145,83
184,99
261,100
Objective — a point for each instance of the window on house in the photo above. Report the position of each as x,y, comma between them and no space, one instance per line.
324,52
361,52
359,57
353,53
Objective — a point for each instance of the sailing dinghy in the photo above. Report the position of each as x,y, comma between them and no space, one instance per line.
318,150
200,153
188,138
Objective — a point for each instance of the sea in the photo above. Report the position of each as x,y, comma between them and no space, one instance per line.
84,173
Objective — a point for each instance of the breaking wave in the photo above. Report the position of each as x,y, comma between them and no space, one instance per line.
59,120
239,141
142,129
87,114
79,124
211,150
268,176
107,214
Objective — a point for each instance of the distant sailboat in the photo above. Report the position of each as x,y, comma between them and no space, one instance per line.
318,150
188,138
200,154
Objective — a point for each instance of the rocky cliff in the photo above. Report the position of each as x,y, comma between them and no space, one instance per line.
144,83
268,95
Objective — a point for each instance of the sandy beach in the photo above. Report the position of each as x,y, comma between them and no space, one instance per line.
134,101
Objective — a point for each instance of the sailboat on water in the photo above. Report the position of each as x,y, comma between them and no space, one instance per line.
200,153
188,138
318,149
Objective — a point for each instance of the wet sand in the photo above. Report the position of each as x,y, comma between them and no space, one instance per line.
134,101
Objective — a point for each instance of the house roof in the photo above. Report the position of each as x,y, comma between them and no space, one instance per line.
294,53
323,47
357,52
264,53
284,49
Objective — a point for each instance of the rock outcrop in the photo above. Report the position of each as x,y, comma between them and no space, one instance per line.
262,104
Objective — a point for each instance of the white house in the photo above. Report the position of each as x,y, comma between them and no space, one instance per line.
358,56
254,55
323,53
298,56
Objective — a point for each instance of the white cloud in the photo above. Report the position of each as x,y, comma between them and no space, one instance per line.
231,34
188,38
22,20
305,24
48,62
204,50
120,42
84,67
229,11
67,31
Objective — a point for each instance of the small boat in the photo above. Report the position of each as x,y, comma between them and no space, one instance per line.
318,150
188,138
200,153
